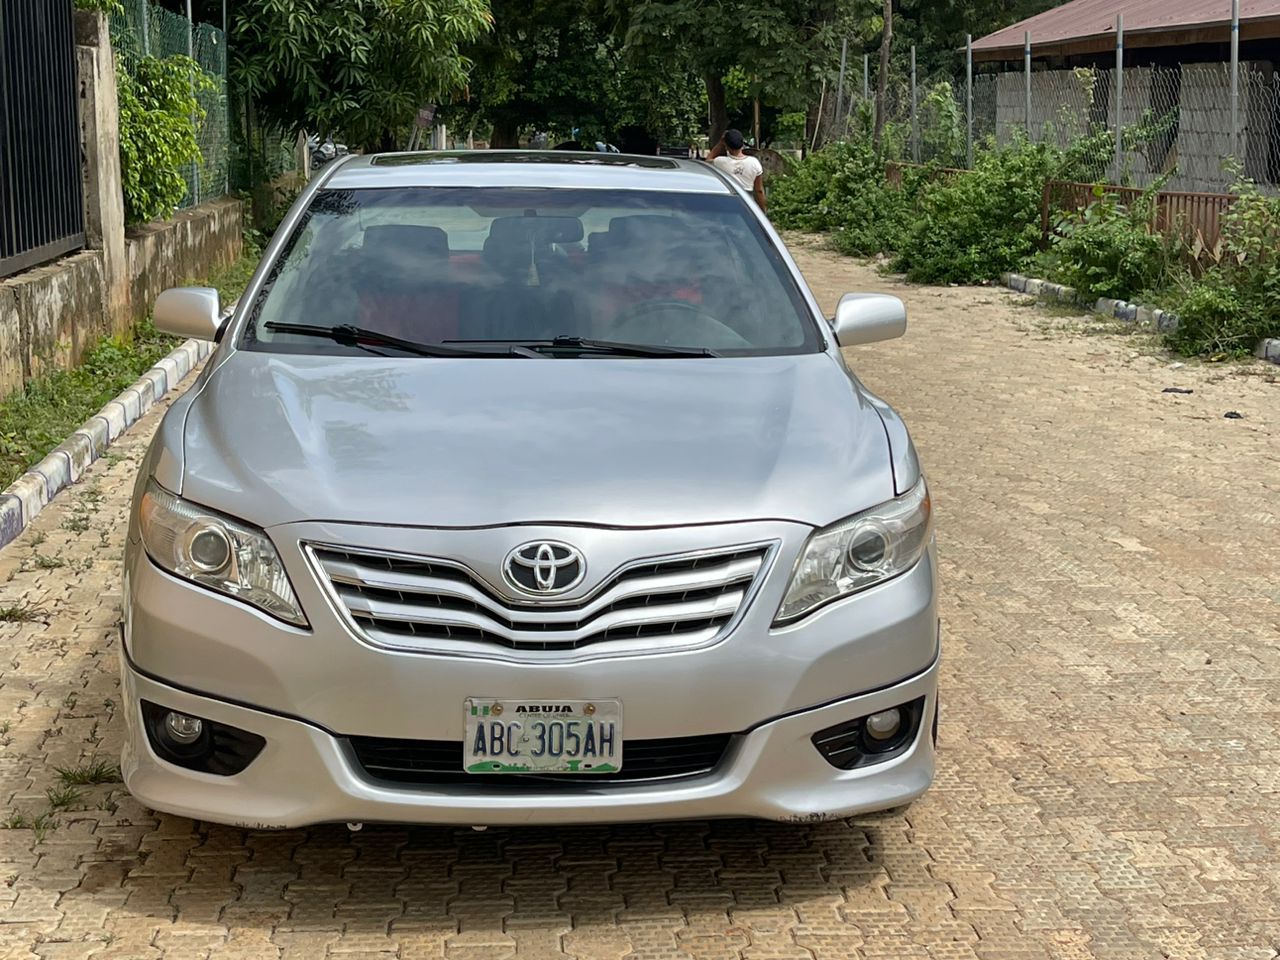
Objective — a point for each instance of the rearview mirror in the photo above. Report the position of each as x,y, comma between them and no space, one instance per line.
868,318
189,312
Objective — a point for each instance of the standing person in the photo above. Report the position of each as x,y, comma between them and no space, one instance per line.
729,159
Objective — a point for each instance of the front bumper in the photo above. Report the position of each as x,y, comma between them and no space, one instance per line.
306,690
305,775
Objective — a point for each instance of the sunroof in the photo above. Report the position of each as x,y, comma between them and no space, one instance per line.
565,157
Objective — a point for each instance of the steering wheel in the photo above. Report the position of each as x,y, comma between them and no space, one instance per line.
675,323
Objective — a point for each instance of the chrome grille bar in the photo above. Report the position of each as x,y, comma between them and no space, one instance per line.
402,601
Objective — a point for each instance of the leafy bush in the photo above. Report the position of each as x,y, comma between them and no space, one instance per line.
976,225
1237,300
802,200
159,115
106,6
1108,249
842,189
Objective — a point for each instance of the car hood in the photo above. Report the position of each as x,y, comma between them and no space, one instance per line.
276,438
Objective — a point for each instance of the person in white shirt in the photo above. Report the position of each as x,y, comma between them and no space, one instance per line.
728,158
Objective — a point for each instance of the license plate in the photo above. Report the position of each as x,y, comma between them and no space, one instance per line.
566,736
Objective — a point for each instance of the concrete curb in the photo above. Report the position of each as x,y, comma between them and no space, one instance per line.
1268,349
28,495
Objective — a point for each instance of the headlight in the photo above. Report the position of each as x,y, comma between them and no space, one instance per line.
858,552
217,553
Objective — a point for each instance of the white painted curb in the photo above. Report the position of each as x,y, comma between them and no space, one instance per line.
1163,321
28,495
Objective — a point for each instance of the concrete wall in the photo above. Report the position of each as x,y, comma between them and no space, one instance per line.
50,315
100,139
186,248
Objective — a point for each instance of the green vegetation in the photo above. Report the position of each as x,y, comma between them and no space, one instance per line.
159,111
89,773
971,226
61,798
22,611
359,70
40,416
1236,301
1107,250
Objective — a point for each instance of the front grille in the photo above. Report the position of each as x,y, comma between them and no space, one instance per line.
432,762
404,601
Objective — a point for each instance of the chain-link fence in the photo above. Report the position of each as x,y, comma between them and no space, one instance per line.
144,30
1177,123
262,152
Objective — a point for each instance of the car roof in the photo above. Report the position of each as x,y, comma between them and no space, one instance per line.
527,168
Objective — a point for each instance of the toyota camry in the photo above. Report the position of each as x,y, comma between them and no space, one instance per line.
528,488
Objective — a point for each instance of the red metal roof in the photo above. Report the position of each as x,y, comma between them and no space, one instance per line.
1083,19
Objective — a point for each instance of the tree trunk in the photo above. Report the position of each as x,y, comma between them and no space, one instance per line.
506,135
719,113
882,85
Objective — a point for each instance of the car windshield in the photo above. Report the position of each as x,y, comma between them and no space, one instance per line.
455,265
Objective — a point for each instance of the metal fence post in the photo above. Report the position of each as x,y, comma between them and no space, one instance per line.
1119,95
1026,70
844,54
191,52
968,99
915,119
1235,79
866,76
144,20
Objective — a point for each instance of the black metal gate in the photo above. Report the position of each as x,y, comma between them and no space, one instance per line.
41,192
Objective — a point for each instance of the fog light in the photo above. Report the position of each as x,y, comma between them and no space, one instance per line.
199,744
884,725
874,738
181,728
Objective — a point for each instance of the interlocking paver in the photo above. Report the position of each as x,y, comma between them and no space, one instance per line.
1109,772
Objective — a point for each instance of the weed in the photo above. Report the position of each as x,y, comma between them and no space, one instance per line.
104,537
41,824
43,562
4,727
76,523
60,798
15,821
23,612
92,771
38,538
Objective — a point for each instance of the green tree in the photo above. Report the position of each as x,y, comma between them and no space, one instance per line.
785,47
557,66
357,68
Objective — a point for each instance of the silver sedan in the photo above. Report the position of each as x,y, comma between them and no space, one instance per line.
528,488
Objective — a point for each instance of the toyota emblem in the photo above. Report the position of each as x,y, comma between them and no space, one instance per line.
545,567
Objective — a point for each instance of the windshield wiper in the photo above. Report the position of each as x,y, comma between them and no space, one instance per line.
614,347
349,335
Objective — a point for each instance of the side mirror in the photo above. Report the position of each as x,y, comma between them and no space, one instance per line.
189,312
869,318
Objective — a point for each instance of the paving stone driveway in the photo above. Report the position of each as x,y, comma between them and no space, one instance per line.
1109,780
